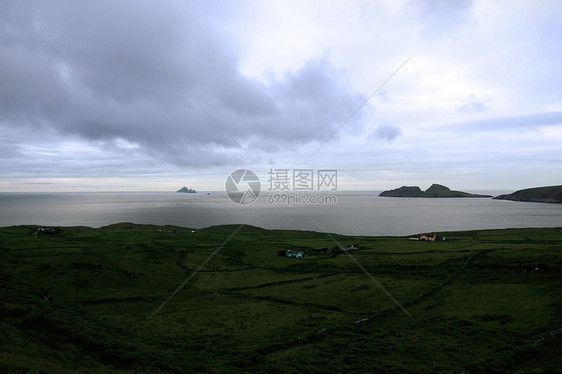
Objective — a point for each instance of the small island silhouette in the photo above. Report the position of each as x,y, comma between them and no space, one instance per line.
436,190
186,190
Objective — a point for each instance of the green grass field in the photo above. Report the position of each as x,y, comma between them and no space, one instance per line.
83,300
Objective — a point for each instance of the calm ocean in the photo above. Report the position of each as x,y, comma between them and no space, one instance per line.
355,213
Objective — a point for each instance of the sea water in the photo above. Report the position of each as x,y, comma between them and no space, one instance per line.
353,213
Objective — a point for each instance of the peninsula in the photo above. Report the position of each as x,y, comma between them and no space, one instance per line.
186,190
436,190
548,194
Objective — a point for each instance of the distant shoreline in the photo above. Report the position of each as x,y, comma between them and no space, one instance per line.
234,226
548,195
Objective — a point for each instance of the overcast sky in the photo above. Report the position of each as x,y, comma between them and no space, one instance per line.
147,95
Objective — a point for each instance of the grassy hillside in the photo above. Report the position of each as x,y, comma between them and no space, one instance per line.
84,300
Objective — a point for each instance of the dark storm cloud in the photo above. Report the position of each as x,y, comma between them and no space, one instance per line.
86,69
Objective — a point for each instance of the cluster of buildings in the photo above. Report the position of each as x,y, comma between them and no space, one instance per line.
428,238
47,230
300,253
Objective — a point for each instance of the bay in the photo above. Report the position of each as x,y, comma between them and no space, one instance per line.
354,213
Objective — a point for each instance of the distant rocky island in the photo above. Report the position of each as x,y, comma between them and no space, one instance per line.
436,190
186,190
548,194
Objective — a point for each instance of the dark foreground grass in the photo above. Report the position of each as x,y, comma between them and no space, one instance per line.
82,301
